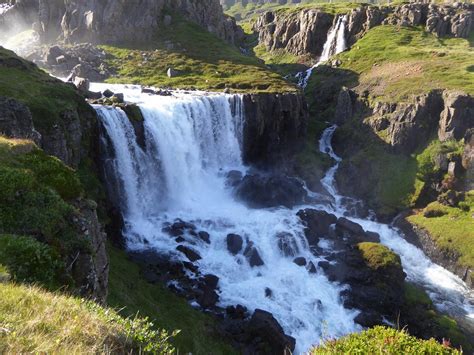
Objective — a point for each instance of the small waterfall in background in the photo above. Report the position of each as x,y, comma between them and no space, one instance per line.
335,44
191,142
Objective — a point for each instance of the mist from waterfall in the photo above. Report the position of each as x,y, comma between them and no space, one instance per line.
335,44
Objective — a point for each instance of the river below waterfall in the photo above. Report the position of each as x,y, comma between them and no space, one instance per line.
192,140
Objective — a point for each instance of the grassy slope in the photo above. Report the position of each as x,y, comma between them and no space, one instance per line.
381,340
395,63
203,60
35,321
454,230
128,289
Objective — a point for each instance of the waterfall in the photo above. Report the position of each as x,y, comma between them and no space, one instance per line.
335,44
4,8
191,141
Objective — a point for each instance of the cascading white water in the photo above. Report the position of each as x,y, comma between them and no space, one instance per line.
448,292
4,8
335,44
192,141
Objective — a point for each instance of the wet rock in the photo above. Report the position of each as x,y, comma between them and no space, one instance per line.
300,261
317,224
234,243
107,93
178,228
211,280
268,293
118,98
93,95
236,312
204,236
208,298
372,237
287,244
233,178
264,326
311,268
345,226
252,255
190,254
262,192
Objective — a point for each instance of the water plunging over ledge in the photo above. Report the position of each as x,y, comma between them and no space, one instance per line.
191,142
335,44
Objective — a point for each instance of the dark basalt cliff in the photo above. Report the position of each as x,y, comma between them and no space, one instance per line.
115,21
275,126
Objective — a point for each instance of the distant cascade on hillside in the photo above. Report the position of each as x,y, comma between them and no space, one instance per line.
335,44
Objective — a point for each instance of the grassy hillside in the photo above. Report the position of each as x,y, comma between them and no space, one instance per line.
202,60
393,63
451,228
35,321
381,340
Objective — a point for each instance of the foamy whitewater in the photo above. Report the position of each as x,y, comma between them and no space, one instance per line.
335,44
4,8
192,141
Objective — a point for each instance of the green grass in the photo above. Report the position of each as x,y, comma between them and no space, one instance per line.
131,293
31,184
454,230
382,340
378,256
204,62
35,321
395,63
47,98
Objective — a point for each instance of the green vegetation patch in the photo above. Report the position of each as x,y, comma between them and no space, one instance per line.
452,230
396,62
35,321
34,193
378,256
132,294
28,261
201,60
382,340
47,97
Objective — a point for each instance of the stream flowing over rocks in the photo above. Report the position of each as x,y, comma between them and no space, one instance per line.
196,217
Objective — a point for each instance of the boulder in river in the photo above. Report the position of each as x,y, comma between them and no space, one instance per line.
234,243
317,224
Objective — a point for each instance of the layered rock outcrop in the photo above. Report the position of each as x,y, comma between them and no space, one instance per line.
274,126
300,33
304,32
114,21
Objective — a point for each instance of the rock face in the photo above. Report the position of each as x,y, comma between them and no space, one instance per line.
16,120
457,116
115,21
304,32
300,33
90,270
274,126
